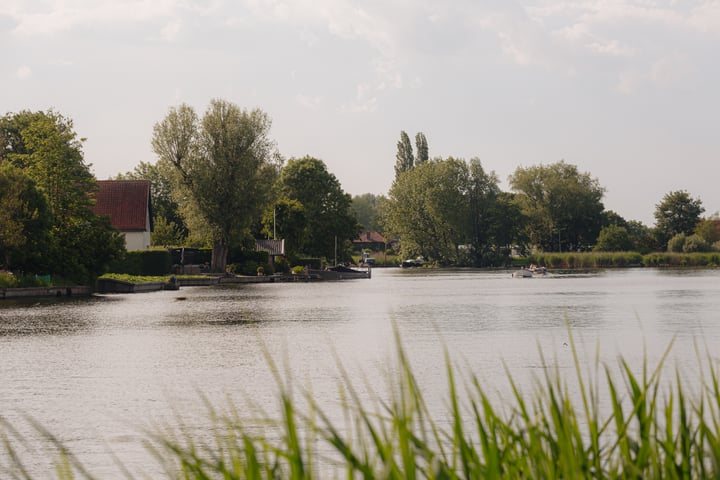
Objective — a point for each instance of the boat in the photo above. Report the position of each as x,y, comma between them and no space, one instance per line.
530,272
412,263
522,273
341,272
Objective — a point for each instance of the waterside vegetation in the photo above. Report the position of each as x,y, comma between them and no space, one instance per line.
621,422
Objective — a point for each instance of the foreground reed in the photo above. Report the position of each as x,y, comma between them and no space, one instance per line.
649,430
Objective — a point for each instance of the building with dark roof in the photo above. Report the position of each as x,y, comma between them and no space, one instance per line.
127,203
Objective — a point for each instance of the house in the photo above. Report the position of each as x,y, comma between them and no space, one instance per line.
370,240
127,203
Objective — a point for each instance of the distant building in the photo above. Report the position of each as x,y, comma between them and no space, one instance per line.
370,240
127,203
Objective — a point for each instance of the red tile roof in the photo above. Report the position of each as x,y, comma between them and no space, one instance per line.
370,237
127,203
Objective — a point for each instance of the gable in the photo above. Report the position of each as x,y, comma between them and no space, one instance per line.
126,202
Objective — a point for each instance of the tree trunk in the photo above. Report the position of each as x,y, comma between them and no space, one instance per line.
219,257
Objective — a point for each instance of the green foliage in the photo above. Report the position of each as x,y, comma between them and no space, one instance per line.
709,229
676,243
225,163
587,259
366,208
287,219
696,243
404,158
64,237
143,263
7,280
677,213
247,262
421,146
327,207
131,278
613,239
298,270
564,206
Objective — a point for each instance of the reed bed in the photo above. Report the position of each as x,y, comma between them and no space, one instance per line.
648,430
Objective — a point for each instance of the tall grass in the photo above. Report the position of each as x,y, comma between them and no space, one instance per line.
621,425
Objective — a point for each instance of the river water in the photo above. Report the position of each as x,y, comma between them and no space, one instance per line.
96,371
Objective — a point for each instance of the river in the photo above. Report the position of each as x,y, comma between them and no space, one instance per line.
96,371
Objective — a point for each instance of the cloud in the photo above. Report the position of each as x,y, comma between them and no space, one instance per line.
309,102
23,72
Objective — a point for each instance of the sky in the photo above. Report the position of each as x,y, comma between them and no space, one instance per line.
626,90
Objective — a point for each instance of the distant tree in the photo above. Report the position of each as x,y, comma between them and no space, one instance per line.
709,229
483,191
643,237
170,228
404,159
427,209
695,243
613,238
327,206
421,146
677,213
564,206
287,220
676,243
225,163
366,210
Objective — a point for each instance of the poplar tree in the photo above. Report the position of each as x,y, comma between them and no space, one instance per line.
404,157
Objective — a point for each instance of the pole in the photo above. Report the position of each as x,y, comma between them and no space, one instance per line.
335,250
274,230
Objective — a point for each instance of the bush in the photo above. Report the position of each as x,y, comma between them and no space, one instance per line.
298,270
676,243
143,262
7,280
695,243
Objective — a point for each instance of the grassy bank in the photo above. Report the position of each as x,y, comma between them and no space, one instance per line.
623,259
652,430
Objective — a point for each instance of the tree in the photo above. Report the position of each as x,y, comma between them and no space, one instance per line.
225,163
366,208
421,147
483,190
404,159
613,238
677,213
327,206
169,226
46,148
427,209
709,229
24,220
287,219
564,206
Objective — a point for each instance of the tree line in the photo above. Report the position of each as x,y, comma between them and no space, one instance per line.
453,212
220,181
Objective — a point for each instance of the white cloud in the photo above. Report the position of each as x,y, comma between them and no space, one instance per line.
23,72
309,102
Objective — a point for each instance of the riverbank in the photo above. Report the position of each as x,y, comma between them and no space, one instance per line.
30,292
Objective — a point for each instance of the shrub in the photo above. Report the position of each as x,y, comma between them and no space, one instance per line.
676,243
143,262
7,280
695,243
298,270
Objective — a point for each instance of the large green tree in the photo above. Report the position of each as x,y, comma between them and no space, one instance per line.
24,221
564,206
225,163
677,213
47,149
286,220
427,209
327,206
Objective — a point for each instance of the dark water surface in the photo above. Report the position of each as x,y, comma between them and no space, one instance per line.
95,371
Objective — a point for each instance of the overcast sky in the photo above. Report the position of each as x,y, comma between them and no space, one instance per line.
626,90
